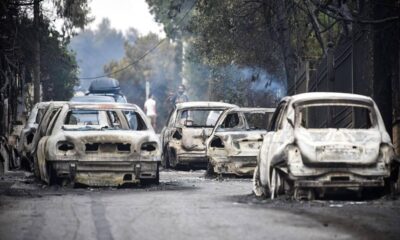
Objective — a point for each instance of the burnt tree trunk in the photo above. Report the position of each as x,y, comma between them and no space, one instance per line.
36,52
285,42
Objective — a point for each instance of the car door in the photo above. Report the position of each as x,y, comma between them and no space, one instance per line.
41,148
166,131
273,142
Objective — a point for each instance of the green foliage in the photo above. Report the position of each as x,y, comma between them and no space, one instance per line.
59,69
273,35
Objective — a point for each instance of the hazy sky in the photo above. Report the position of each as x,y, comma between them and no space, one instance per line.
124,14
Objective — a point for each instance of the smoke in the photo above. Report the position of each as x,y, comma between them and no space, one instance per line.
244,86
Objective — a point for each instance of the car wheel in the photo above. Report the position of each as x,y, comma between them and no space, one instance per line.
210,169
258,189
1,167
35,167
165,161
51,175
172,158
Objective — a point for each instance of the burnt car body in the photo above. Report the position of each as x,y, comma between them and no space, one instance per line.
92,98
106,87
26,139
105,144
236,139
188,127
325,141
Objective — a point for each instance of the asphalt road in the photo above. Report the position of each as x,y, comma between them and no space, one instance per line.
186,205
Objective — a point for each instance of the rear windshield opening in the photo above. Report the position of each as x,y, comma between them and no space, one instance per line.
82,117
335,116
234,121
257,121
198,117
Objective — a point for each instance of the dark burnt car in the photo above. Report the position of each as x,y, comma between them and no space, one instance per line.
106,87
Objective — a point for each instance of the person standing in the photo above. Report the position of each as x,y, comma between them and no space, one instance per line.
180,96
150,109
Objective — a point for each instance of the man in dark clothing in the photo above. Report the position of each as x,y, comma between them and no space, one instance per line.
180,96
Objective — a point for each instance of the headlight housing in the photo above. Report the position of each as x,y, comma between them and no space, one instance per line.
65,146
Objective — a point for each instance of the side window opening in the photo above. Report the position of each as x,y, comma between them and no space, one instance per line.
276,118
53,123
135,121
335,116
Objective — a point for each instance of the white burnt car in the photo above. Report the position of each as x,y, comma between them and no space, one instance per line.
105,144
27,140
325,141
236,139
188,127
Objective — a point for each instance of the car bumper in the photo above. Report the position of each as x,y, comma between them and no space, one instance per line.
340,180
197,160
238,165
105,173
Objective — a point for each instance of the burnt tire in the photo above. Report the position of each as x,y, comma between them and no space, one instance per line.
52,175
165,160
210,170
258,189
35,167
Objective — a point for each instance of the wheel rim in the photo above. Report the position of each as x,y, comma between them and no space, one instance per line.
274,183
257,188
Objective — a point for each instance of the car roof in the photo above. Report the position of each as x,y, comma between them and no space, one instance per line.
92,98
104,85
251,109
102,106
204,104
328,96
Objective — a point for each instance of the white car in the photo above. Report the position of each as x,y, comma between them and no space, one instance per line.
105,144
236,139
323,141
188,127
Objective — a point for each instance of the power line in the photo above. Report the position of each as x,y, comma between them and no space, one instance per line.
145,54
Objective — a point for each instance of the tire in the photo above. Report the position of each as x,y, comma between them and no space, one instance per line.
1,167
52,175
210,169
258,189
278,183
35,167
172,155
165,161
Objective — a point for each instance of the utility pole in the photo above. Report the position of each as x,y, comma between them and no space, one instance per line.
36,53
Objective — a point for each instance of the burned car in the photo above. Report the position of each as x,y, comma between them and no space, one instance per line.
188,127
26,139
236,139
105,144
319,142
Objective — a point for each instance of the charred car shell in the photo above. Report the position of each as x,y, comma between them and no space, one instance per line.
188,127
106,144
302,157
236,139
